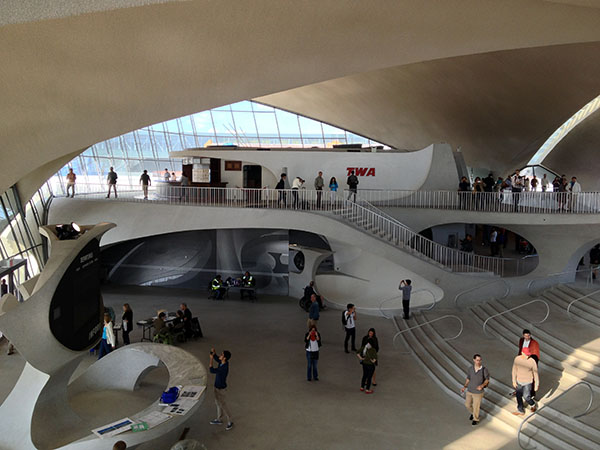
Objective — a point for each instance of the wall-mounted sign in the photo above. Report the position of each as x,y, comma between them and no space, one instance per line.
200,174
362,171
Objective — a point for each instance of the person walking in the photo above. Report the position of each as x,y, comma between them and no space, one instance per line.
349,321
296,185
372,335
167,175
524,377
221,372
406,288
71,177
477,380
313,311
312,344
107,344
534,347
352,183
111,180
319,183
127,325
145,182
368,357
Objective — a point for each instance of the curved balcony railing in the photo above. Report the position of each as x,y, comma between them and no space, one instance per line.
576,300
505,294
428,322
506,201
530,416
553,279
365,217
517,307
399,297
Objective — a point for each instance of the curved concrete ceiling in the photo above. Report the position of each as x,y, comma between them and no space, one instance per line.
498,107
578,154
69,82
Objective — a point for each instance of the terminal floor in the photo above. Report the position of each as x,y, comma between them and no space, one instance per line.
274,407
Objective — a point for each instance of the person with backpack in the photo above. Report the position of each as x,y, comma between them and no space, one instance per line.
371,335
349,322
476,381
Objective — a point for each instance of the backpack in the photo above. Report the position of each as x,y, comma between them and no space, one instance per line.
344,319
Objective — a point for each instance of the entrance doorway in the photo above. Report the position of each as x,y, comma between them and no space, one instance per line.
253,177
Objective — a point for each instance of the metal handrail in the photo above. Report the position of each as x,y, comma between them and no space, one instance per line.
429,308
550,275
576,300
428,322
556,398
517,307
474,288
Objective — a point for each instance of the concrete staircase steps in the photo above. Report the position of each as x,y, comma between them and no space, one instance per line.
562,300
450,376
589,305
551,360
566,349
591,436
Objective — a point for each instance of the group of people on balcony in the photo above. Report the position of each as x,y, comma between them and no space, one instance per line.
516,185
300,201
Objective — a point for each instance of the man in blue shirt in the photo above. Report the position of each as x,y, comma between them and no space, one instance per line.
313,312
220,385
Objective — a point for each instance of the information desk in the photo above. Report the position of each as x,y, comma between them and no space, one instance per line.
249,290
148,324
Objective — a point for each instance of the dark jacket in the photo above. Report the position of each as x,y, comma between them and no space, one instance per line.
222,371
371,354
128,316
280,185
375,342
352,181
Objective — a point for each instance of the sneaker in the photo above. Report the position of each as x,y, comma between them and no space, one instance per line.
474,422
368,391
471,417
519,413
316,379
216,422
534,408
346,351
362,388
229,426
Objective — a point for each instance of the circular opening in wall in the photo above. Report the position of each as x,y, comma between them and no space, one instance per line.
299,261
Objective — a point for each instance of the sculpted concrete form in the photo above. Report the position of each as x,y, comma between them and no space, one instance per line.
56,325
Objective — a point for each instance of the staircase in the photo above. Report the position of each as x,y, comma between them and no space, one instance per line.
556,355
370,219
549,429
586,310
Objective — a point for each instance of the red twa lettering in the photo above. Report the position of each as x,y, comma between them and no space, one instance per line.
361,171
371,172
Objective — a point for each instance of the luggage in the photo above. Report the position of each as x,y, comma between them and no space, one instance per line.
196,329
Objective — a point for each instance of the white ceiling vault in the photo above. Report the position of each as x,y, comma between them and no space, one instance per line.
72,77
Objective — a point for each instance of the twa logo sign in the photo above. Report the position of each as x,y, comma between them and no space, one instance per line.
362,171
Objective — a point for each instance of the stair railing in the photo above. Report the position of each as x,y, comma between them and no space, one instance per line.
589,386
550,276
488,283
428,322
423,308
576,300
517,307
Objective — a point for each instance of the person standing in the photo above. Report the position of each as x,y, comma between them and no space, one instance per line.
187,319
406,288
145,182
477,380
312,344
488,183
352,183
333,185
71,177
280,186
574,188
534,183
464,189
518,182
167,175
494,242
127,325
350,326
594,260
107,344
372,335
111,180
524,377
545,182
221,372
3,288
368,357
296,185
319,183
313,311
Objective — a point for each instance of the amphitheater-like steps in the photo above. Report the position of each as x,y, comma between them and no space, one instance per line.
447,367
556,356
587,309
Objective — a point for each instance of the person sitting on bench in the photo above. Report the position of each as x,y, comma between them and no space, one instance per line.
217,287
248,281
160,327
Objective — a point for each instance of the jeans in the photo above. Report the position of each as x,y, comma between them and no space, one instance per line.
319,195
112,186
406,308
351,192
516,196
350,333
105,349
72,187
524,390
311,365
368,370
294,197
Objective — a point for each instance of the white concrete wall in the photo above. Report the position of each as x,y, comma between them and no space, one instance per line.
393,170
